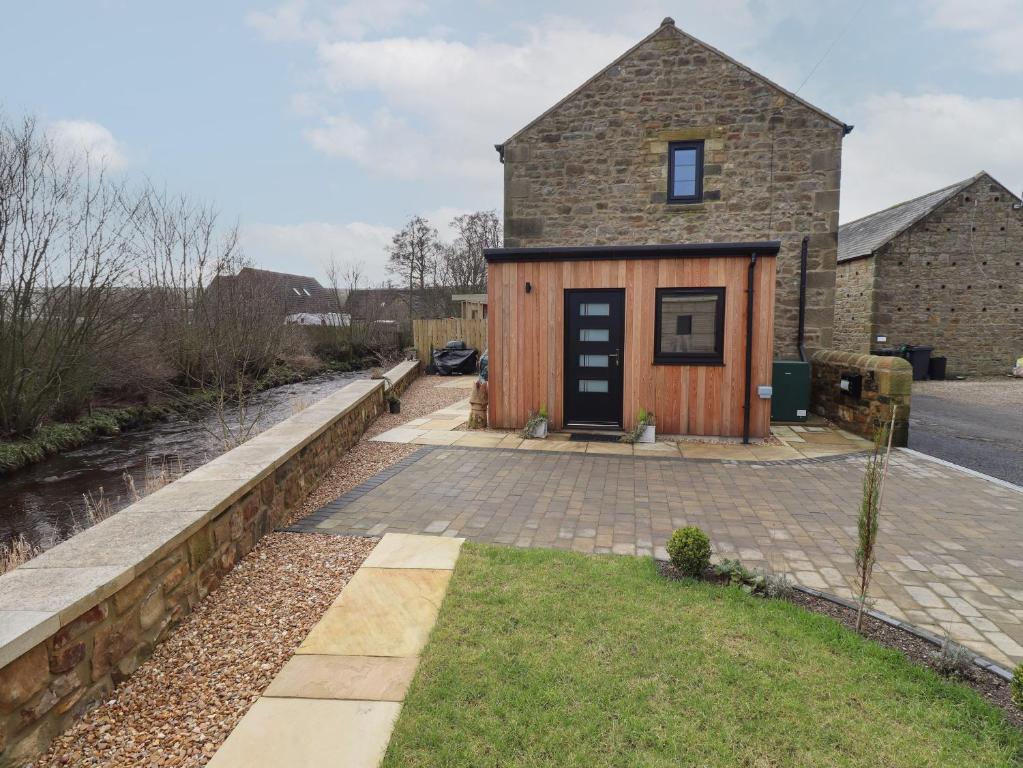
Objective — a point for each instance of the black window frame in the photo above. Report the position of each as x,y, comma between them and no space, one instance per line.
685,199
717,357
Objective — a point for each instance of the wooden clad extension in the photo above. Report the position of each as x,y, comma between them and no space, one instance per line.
527,342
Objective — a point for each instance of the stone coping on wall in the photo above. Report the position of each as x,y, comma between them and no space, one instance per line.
886,388
51,590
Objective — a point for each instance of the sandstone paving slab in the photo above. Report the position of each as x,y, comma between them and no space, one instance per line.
398,435
614,449
437,437
381,612
400,550
474,440
309,733
360,678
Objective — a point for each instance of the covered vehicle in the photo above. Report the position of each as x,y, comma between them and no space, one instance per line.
454,358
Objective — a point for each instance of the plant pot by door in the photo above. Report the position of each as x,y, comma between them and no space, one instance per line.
648,434
394,406
540,430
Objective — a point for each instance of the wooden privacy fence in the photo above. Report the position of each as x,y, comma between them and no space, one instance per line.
437,333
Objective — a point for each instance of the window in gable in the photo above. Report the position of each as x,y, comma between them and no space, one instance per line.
685,172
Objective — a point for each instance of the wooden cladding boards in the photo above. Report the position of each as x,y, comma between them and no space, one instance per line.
526,340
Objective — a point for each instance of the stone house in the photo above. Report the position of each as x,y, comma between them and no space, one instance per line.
944,269
672,154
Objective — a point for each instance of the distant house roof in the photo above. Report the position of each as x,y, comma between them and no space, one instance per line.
298,293
864,236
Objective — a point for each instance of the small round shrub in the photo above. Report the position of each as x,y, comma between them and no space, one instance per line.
1017,686
689,550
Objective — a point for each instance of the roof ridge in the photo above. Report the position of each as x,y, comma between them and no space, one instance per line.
670,23
958,185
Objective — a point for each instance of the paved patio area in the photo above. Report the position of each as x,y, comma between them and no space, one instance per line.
950,549
447,427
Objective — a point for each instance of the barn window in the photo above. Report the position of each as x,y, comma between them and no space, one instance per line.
685,172
689,326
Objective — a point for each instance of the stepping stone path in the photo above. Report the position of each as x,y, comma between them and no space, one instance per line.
336,701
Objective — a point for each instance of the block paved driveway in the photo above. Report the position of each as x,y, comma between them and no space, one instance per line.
950,548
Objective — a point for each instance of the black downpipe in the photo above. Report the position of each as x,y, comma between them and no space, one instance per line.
803,255
749,349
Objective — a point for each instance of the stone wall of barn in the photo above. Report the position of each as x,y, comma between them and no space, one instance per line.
955,281
593,171
854,305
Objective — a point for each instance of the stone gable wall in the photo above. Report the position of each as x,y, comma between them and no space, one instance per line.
854,305
955,281
54,672
594,170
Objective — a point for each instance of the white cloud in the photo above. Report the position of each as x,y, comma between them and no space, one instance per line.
906,146
295,20
445,104
996,24
307,248
86,140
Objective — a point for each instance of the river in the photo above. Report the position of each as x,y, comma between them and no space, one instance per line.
45,502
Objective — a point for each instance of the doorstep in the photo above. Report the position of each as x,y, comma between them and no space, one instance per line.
336,700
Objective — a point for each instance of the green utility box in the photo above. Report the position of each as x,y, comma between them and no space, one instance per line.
790,400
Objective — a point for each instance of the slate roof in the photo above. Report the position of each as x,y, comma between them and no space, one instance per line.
297,293
864,236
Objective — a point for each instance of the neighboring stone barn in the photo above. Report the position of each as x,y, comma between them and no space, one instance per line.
944,269
594,169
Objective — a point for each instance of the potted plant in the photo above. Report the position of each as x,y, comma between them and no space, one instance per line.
646,421
393,402
536,425
643,432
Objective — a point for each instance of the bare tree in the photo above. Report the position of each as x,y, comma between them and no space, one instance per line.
219,329
344,277
68,287
465,266
414,253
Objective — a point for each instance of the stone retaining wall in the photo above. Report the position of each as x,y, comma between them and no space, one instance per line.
81,617
887,382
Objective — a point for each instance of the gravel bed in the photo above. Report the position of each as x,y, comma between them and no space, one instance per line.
990,390
367,458
185,699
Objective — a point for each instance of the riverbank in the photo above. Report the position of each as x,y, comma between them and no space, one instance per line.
57,437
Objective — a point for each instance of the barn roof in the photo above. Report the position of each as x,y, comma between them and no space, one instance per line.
864,236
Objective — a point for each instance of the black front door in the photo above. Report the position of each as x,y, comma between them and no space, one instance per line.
594,335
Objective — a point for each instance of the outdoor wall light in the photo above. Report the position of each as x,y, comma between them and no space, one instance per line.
529,287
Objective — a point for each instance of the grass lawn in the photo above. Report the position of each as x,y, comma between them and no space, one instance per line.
556,659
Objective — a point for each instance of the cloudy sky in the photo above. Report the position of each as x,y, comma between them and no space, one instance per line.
320,126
